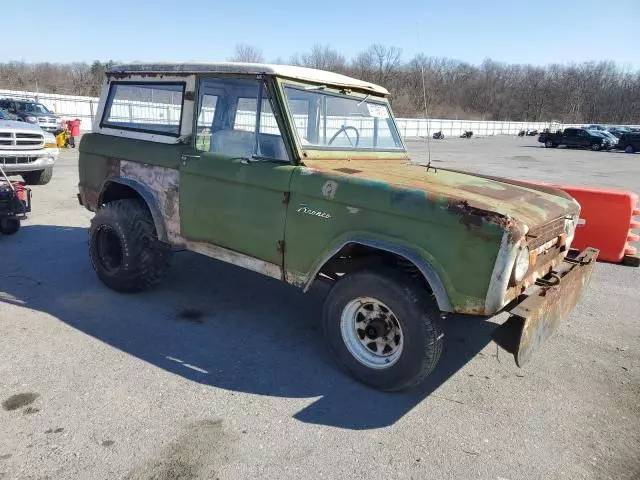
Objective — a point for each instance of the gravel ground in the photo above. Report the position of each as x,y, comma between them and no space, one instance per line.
99,385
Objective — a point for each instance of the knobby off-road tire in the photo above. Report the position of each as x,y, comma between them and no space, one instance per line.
124,248
38,177
412,314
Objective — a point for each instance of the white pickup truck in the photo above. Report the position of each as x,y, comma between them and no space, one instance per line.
27,150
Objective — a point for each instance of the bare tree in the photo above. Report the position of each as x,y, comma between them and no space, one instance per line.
247,53
378,63
573,93
322,57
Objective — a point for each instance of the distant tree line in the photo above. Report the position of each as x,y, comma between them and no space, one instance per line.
571,93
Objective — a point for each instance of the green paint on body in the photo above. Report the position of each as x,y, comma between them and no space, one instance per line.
323,199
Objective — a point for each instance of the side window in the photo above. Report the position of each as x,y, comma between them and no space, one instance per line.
228,123
145,107
582,133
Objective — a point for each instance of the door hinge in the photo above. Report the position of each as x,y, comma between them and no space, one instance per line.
286,197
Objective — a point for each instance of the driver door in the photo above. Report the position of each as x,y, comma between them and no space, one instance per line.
234,183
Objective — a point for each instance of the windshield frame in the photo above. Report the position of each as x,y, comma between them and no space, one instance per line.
355,93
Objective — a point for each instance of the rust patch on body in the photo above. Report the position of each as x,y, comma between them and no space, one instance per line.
473,217
348,171
113,166
163,183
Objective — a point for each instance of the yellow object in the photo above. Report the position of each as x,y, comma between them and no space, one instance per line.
61,139
51,145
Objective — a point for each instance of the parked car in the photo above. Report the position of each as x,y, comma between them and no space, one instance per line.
594,127
324,190
618,131
575,138
31,112
4,115
629,142
613,140
27,150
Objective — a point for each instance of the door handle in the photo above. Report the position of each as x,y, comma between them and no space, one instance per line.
184,158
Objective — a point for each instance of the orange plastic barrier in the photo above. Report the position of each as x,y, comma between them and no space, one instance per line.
609,219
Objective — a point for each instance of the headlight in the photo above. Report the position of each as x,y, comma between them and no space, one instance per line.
31,119
570,224
50,141
522,264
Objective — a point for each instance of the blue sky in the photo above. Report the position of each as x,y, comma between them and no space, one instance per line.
533,31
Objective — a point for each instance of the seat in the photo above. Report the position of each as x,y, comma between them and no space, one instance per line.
272,146
235,143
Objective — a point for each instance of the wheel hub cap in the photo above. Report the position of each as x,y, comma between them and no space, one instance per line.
371,332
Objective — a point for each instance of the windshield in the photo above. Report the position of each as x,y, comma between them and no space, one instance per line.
32,107
335,121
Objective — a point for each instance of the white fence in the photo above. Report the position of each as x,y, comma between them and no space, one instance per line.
84,108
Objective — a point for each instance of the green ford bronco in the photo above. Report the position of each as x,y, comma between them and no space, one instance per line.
302,175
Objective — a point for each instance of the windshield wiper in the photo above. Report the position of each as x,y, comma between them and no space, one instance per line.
363,100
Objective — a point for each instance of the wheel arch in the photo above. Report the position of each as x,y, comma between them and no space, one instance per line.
425,267
120,188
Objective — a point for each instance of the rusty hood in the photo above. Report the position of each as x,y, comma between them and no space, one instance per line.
530,204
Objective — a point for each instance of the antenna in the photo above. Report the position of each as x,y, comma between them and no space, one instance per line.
427,141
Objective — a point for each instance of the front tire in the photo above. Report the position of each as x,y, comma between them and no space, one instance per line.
383,328
595,147
629,149
549,144
9,226
124,248
38,177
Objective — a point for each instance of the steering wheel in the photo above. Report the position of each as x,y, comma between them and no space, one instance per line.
343,129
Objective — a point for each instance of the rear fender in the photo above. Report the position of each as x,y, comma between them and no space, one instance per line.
147,196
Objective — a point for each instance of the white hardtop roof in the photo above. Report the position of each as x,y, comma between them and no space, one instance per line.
289,71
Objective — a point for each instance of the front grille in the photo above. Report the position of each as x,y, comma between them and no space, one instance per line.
540,235
30,139
45,120
17,160
21,140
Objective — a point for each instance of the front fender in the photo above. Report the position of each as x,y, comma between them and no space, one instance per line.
433,273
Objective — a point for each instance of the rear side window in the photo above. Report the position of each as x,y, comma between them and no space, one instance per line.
145,107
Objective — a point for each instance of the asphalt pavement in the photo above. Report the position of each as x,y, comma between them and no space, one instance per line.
222,373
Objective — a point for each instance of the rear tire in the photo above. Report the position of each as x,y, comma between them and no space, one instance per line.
549,144
383,328
9,226
629,149
124,248
38,177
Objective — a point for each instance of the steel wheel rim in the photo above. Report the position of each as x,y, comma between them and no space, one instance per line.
109,249
371,332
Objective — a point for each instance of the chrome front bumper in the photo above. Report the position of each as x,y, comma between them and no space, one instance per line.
16,161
